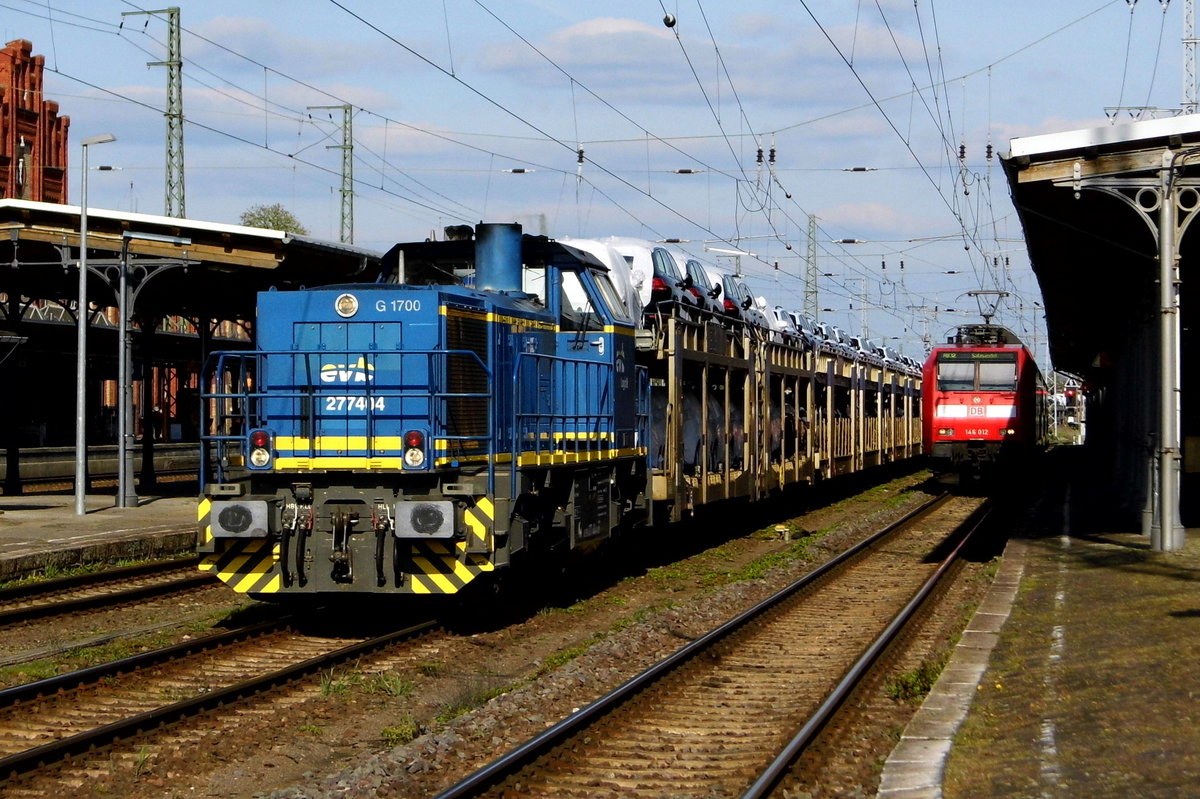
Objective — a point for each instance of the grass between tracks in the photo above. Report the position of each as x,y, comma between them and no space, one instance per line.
56,572
84,656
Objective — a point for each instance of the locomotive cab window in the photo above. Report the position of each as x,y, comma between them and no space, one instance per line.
610,296
997,377
977,371
577,311
956,376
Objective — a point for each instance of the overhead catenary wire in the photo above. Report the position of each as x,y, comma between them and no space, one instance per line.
520,118
751,200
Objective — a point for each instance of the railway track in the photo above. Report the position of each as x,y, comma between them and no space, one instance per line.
729,713
54,485
104,589
48,469
49,721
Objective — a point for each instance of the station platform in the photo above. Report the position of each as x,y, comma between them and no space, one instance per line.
1077,676
42,531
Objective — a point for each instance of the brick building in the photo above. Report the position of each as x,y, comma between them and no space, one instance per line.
33,137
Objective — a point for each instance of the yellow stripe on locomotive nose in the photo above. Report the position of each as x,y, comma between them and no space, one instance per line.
429,572
441,569
203,512
479,522
247,566
251,584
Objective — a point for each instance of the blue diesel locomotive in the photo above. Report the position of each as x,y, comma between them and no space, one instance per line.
408,436
497,398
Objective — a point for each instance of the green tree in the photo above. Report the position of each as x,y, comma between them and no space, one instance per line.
273,216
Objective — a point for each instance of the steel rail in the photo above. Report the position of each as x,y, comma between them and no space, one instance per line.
771,775
97,480
55,465
508,764
50,608
33,589
92,674
101,736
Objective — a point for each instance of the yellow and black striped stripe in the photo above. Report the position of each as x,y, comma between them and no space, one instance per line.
445,567
247,565
204,536
479,526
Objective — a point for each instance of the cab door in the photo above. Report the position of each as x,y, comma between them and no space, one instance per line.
595,343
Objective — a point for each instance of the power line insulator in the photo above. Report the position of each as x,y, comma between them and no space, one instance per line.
771,157
759,158
579,156
962,152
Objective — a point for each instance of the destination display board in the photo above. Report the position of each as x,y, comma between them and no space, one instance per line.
995,356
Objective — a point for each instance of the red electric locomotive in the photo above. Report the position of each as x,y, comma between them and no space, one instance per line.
983,402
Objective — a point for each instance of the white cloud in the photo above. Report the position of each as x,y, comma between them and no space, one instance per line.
873,219
311,59
605,53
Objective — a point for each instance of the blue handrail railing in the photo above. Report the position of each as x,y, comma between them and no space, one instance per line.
554,404
249,394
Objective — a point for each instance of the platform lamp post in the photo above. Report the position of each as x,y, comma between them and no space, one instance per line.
82,319
126,495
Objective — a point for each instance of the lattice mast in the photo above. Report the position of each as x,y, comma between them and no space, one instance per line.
347,148
1189,56
174,204
810,270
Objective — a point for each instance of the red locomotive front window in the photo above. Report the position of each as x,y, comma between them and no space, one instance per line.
956,376
997,377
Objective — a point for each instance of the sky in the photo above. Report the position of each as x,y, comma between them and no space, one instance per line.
885,120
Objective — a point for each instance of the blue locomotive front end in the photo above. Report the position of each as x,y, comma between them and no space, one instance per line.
408,437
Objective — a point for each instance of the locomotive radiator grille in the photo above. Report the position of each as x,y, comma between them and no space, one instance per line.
466,418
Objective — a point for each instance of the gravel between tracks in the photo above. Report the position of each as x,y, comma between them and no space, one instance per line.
336,741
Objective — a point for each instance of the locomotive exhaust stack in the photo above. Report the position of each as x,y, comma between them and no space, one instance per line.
498,257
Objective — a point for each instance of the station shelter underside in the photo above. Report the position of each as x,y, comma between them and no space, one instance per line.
1090,205
191,289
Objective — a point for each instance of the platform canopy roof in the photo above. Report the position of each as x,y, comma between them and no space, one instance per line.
1095,255
225,264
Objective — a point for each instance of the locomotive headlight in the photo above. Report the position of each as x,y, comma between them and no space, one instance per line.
424,519
235,519
239,518
346,305
945,431
428,518
414,449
